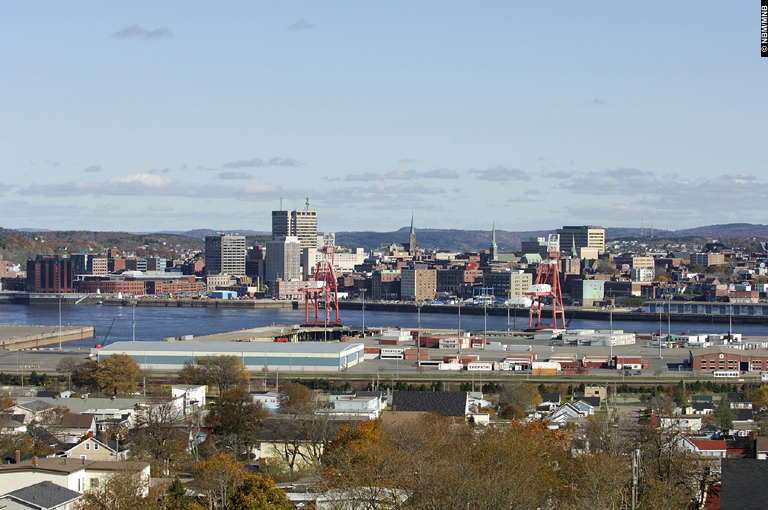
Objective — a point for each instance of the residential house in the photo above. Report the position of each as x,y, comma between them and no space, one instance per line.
701,408
367,407
194,396
715,448
41,496
270,400
74,474
568,413
454,404
549,402
74,427
36,410
92,448
761,447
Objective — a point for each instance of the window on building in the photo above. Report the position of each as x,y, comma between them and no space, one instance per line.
94,482
87,446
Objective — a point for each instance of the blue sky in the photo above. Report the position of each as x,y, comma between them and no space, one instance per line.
149,116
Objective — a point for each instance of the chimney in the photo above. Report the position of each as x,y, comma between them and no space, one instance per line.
104,438
34,461
18,456
394,409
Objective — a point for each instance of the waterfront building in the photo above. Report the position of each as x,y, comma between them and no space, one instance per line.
256,356
225,254
418,284
50,274
283,259
508,284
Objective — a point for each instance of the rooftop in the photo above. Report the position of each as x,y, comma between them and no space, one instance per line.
224,348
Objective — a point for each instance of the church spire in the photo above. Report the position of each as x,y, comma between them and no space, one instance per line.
412,246
574,253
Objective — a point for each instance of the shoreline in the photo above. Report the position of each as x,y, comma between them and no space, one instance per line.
619,314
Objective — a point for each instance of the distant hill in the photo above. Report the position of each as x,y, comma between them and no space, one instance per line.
19,245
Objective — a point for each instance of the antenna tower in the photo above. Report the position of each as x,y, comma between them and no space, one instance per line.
547,288
322,287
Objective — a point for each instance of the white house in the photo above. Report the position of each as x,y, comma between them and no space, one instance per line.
270,400
74,474
194,396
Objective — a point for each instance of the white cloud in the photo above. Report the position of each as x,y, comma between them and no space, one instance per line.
138,32
302,24
500,174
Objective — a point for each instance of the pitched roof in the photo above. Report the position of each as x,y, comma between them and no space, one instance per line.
44,495
743,484
550,397
592,401
447,403
77,421
709,444
743,414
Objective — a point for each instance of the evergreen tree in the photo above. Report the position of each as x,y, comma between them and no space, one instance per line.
723,414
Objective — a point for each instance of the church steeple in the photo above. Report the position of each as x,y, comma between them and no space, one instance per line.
574,253
412,245
494,246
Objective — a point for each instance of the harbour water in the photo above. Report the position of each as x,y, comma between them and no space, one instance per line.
154,324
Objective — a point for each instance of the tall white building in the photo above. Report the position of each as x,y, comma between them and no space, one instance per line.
301,224
283,259
225,254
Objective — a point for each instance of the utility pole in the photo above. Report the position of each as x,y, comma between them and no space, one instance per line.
635,462
363,312
133,324
458,330
59,321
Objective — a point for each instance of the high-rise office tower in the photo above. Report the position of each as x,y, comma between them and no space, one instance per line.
301,224
582,236
283,259
225,254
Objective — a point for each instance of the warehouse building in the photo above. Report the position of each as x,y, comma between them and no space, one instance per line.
256,356
710,359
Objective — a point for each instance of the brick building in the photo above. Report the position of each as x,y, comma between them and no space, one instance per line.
111,286
722,358
418,284
50,274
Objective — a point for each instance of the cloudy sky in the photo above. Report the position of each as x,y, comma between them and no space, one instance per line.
149,116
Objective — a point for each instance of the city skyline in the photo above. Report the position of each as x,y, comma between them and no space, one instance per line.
145,117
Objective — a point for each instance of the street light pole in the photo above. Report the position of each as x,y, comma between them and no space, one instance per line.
59,321
133,324
458,330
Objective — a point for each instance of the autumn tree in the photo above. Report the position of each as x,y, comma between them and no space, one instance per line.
118,373
156,438
85,376
296,399
224,372
517,398
258,492
122,490
217,479
69,364
236,419
760,398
